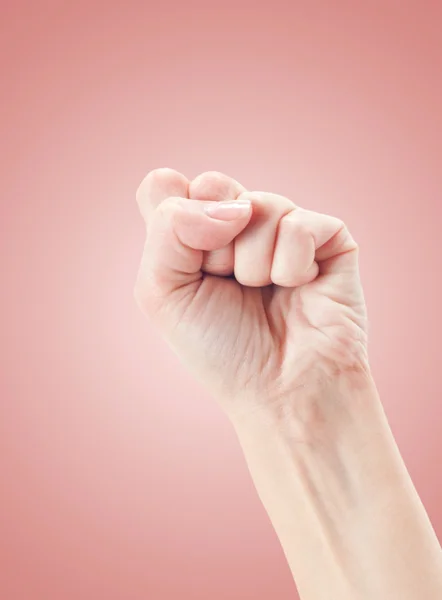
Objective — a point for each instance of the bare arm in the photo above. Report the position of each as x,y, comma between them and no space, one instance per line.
282,344
336,489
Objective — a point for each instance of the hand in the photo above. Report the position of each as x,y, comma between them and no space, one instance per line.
257,296
262,300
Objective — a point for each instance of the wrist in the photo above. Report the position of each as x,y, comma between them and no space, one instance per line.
321,406
334,432
330,476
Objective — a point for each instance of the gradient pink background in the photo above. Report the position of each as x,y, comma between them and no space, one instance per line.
120,478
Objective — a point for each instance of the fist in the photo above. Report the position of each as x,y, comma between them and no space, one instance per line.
258,296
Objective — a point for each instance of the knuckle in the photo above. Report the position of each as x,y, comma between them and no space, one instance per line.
340,225
267,205
348,240
158,178
258,198
208,176
168,209
245,195
342,241
214,185
296,225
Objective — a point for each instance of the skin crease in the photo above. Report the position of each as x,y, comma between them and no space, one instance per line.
263,302
314,326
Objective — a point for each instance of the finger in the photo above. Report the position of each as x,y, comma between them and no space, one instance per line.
216,186
158,185
294,255
213,185
310,243
181,230
254,246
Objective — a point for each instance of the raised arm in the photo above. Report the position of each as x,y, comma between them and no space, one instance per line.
341,501
262,300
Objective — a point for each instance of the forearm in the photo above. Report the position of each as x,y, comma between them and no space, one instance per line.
330,476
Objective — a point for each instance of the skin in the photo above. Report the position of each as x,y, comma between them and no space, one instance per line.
262,300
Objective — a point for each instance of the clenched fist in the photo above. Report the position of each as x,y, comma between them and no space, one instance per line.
262,300
258,296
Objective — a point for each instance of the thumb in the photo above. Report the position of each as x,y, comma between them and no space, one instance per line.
179,232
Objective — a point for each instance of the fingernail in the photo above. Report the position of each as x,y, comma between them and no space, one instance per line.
228,210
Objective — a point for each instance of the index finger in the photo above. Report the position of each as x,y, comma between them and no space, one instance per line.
158,185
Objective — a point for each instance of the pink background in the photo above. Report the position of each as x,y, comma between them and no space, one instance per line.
120,479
